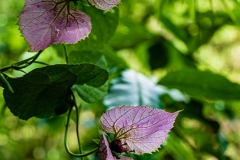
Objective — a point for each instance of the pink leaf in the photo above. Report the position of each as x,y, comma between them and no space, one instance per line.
140,129
104,4
46,22
105,153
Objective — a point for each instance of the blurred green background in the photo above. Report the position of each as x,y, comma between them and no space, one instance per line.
169,54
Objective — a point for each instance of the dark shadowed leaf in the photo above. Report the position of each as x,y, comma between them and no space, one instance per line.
133,88
140,129
44,92
88,93
202,84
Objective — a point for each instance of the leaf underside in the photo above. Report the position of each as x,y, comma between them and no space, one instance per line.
142,129
46,22
104,4
105,153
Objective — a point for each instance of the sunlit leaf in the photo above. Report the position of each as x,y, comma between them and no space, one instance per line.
202,84
140,129
104,4
46,22
133,88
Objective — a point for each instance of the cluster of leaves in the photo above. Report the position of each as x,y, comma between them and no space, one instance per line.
48,91
164,39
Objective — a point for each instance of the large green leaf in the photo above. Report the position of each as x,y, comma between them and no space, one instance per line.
44,92
202,84
133,88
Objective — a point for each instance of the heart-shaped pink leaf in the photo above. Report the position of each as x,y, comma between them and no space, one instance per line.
104,151
104,4
46,22
140,129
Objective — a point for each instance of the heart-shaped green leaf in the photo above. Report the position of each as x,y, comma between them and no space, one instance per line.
44,92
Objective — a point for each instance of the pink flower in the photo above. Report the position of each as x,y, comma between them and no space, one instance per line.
137,130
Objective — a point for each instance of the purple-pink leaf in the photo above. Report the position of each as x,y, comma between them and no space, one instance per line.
140,129
104,4
104,151
46,22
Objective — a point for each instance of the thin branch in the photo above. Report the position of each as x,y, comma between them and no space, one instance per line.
22,64
66,139
65,52
39,62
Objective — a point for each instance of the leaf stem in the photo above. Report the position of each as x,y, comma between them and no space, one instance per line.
77,122
22,64
43,63
5,83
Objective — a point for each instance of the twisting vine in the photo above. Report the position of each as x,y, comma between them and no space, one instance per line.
27,62
77,131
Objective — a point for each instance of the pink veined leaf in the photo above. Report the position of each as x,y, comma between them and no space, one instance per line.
105,153
46,22
104,4
140,129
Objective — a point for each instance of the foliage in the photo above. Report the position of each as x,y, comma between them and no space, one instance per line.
174,55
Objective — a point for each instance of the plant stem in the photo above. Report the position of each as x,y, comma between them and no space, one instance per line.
66,139
77,123
81,155
65,52
22,64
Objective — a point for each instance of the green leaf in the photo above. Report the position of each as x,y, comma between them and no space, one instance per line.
129,34
89,56
88,93
104,24
45,92
134,89
203,84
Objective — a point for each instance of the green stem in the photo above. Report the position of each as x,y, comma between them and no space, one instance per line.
22,64
77,123
65,52
43,63
5,83
66,137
